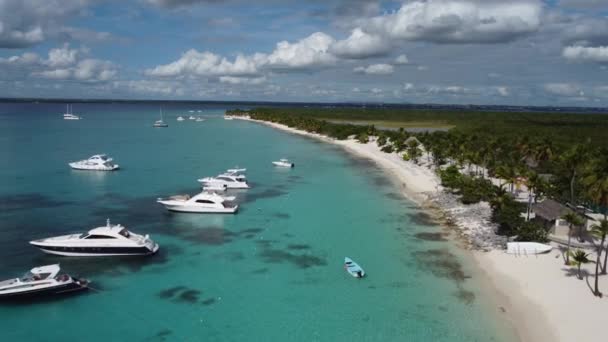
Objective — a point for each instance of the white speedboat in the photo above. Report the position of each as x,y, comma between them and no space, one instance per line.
180,118
98,162
199,119
228,117
192,117
41,281
205,202
69,115
283,163
160,123
110,240
231,180
215,187
527,248
353,268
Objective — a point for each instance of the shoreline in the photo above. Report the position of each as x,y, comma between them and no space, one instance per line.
534,294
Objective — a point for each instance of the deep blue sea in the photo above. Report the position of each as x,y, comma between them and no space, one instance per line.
272,272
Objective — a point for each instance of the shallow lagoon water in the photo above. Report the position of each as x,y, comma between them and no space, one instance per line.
271,272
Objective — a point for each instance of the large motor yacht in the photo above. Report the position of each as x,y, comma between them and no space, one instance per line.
205,202
110,240
233,179
98,162
39,281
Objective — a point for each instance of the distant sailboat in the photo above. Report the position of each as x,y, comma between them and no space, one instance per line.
68,114
160,123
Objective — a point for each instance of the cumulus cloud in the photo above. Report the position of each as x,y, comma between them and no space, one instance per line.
503,91
564,89
196,63
375,69
148,87
23,59
63,63
308,52
401,59
583,4
178,3
242,80
586,54
460,21
361,45
63,56
28,22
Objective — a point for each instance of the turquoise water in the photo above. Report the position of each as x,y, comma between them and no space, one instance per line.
273,272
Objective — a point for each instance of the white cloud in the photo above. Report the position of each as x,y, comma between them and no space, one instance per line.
58,74
147,86
308,52
401,59
453,90
62,56
564,89
194,63
28,22
408,86
460,21
586,54
360,45
242,80
23,59
375,69
503,91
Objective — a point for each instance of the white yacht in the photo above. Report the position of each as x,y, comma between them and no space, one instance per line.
205,202
283,163
231,180
199,119
180,118
39,281
215,187
228,117
110,240
192,117
160,123
69,115
98,162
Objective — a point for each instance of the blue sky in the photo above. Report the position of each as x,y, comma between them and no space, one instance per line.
520,52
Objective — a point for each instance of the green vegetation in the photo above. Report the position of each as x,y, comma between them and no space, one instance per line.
561,156
578,258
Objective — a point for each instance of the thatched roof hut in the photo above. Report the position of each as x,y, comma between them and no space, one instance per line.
550,210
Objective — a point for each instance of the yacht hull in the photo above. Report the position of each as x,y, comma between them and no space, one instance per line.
97,251
93,168
199,210
61,289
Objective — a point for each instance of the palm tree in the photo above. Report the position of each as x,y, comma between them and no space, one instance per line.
597,187
579,257
573,160
573,220
599,231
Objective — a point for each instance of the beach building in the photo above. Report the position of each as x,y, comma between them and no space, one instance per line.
549,213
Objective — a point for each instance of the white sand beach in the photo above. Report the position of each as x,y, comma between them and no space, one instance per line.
543,298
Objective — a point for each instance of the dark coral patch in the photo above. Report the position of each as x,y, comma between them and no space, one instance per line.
440,263
260,271
208,301
296,247
430,236
422,219
170,292
188,296
275,256
281,215
465,296
17,202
